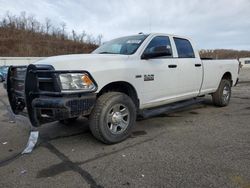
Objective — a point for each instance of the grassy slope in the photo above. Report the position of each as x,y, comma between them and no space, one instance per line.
20,43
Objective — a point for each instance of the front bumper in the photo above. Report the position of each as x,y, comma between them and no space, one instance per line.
58,108
34,91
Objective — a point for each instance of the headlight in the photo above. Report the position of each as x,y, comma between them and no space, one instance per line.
76,81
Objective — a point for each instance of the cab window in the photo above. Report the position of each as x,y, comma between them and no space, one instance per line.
184,48
158,42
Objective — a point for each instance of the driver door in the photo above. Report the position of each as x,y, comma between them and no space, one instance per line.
161,76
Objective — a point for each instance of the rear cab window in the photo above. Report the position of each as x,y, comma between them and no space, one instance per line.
184,48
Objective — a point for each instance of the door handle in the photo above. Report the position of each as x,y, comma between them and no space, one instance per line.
172,66
197,65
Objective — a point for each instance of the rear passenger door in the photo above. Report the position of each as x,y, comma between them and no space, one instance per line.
189,68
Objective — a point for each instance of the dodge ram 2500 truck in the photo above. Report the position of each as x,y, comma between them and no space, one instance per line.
126,77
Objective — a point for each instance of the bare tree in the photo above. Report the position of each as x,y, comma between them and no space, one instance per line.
10,19
31,23
74,35
82,36
90,39
42,29
47,25
99,39
63,27
23,20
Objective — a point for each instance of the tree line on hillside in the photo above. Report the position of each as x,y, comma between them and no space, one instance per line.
24,35
30,23
224,54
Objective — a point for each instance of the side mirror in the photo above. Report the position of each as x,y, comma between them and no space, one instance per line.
158,51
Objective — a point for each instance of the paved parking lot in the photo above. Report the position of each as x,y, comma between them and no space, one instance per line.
202,146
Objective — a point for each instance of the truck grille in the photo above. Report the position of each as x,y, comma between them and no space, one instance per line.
20,83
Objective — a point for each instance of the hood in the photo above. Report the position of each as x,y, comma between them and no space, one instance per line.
89,62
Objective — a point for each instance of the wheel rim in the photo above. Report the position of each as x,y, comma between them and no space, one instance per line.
226,93
118,119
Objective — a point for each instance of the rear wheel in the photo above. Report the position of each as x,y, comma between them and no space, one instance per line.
223,94
113,117
1,79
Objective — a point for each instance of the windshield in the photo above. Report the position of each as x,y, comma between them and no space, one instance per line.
3,69
125,45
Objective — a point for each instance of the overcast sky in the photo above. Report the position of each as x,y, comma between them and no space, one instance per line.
210,23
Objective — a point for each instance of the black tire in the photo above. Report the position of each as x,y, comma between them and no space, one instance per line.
223,94
68,121
1,79
102,118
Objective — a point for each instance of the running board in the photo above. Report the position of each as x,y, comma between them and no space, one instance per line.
146,113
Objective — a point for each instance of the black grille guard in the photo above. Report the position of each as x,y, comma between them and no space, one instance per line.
28,84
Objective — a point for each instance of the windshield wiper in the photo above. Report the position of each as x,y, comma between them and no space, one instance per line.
107,53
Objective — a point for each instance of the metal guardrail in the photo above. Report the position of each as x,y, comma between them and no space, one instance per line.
7,61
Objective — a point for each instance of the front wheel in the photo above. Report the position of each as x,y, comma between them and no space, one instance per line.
113,117
223,94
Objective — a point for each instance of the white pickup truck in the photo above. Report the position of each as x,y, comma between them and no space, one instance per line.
126,77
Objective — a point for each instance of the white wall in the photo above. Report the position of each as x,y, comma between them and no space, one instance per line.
244,75
243,60
18,60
